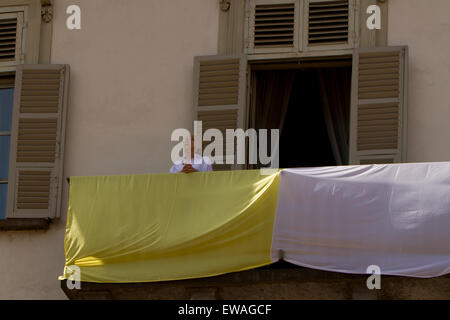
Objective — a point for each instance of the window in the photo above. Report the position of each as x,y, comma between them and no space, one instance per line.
310,103
370,92
293,33
33,99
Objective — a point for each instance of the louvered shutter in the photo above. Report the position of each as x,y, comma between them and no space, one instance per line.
378,109
11,38
273,26
219,95
37,141
329,24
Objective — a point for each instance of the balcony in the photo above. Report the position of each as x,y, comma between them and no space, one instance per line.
229,235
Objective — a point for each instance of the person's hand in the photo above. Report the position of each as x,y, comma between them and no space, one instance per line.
187,168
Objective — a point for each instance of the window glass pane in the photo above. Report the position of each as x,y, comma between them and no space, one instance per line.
3,192
4,156
6,107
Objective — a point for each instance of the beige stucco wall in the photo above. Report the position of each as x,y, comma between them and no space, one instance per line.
425,27
131,85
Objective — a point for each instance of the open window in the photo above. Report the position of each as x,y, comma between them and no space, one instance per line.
336,110
309,102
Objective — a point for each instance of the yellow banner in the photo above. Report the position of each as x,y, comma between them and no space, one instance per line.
158,227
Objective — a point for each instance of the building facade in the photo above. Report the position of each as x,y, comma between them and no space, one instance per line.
133,80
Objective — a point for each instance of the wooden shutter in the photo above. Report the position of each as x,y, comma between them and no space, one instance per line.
11,25
329,24
378,109
273,26
220,94
37,141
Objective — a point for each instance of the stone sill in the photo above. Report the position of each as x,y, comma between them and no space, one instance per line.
24,224
281,281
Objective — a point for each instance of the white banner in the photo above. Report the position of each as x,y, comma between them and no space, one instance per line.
345,219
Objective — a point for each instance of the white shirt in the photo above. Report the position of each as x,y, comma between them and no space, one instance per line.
199,163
